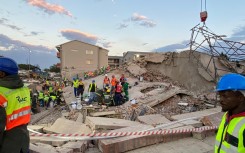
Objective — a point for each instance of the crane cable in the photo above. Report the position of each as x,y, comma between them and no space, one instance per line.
204,4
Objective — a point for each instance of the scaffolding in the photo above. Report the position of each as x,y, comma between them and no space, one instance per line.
230,53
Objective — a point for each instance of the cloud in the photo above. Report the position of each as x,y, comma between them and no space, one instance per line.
13,49
72,34
143,20
49,8
238,35
4,22
122,26
174,47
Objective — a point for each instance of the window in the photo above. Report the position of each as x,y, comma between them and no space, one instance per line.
90,52
88,62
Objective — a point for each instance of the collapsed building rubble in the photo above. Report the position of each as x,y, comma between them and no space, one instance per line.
168,89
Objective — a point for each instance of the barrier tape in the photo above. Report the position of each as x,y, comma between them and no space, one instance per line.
118,134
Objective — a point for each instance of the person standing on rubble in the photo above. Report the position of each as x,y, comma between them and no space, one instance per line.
122,79
15,109
113,83
80,88
231,133
106,81
125,89
92,91
75,84
118,93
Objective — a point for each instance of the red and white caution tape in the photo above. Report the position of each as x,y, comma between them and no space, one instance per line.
118,134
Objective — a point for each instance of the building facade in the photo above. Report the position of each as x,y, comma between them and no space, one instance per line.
115,61
77,57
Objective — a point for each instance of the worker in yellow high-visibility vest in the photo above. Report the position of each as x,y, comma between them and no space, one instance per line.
231,133
15,109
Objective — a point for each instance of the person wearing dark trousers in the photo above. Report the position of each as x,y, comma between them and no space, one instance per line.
80,88
15,109
118,93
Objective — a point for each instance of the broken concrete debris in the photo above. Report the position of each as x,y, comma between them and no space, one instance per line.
165,92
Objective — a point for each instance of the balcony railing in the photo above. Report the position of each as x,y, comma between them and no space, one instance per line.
58,54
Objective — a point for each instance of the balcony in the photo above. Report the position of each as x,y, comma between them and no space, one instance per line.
58,54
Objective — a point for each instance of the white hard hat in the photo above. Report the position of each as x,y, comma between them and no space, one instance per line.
106,75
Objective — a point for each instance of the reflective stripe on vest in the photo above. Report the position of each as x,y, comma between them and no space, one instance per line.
235,130
18,106
91,85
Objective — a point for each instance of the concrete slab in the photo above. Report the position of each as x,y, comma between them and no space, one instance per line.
193,123
123,144
64,126
80,118
41,148
99,114
108,123
48,140
64,150
212,120
197,114
187,145
154,119
37,128
79,146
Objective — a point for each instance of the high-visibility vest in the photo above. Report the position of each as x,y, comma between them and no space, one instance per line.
91,86
18,106
47,83
75,83
106,80
50,89
113,81
40,95
118,88
230,136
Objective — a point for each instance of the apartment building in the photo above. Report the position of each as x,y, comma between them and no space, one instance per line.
77,57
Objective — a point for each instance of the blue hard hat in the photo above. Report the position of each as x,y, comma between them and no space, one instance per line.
93,81
231,81
8,65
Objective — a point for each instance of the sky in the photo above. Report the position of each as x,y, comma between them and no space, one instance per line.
30,29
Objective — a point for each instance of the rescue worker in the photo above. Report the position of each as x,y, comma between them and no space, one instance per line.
15,109
65,82
41,98
118,93
125,89
122,79
80,88
75,85
92,91
106,81
113,84
47,85
231,133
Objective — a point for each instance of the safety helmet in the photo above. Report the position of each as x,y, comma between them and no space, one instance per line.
8,65
106,75
231,81
93,81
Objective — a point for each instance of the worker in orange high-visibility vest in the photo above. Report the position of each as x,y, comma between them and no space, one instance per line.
15,109
113,84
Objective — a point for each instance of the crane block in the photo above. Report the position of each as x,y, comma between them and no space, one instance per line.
203,16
